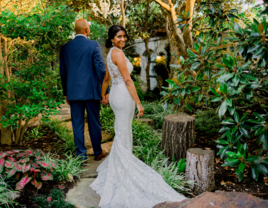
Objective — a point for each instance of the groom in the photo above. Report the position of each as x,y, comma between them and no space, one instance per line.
82,71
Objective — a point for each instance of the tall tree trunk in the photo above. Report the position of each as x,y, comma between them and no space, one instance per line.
182,45
5,132
173,49
187,36
146,41
123,13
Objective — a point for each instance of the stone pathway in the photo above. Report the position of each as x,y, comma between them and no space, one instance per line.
82,196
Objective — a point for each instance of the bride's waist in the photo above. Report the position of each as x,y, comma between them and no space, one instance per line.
118,82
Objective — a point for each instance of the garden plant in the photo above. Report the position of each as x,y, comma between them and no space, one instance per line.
229,75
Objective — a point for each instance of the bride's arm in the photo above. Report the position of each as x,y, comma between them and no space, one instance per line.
119,59
105,85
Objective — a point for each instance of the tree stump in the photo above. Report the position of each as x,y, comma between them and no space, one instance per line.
178,135
200,169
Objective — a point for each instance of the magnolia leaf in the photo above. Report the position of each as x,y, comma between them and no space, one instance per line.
222,109
238,29
188,107
260,28
195,89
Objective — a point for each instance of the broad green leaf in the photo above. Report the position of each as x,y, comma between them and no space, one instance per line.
195,89
236,80
221,141
216,99
264,138
231,110
188,107
223,87
250,77
254,173
231,154
261,168
242,166
214,91
222,109
225,77
238,29
236,117
229,102
244,132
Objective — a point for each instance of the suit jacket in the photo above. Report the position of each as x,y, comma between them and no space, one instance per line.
82,69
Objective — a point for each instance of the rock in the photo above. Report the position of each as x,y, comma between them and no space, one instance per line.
218,200
149,121
105,137
82,195
34,122
105,146
62,118
90,170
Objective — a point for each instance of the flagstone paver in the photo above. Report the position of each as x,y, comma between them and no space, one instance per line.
105,146
82,195
91,167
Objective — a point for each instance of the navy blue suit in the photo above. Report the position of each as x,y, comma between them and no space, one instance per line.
82,70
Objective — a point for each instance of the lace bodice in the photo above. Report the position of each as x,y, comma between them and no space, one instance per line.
113,69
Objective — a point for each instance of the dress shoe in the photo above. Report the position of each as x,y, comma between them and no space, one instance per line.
84,163
102,155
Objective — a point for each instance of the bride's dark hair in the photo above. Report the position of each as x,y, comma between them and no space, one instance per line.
112,32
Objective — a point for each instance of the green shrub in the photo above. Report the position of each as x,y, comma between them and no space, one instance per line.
207,122
62,131
54,200
225,74
68,168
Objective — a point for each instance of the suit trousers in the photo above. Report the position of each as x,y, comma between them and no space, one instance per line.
78,115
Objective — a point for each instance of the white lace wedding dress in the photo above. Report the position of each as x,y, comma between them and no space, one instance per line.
123,180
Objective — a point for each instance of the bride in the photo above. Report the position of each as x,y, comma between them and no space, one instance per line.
123,180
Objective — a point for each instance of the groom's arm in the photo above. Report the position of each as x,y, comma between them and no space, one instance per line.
99,64
63,73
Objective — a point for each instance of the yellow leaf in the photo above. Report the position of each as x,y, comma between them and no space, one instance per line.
175,80
194,51
260,28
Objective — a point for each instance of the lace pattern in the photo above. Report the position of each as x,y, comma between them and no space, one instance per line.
113,69
123,180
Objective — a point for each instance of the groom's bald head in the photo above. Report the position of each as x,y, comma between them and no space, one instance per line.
82,27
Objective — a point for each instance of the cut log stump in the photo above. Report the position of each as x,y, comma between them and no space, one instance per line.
178,135
200,169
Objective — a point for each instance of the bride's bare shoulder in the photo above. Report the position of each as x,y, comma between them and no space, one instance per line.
117,54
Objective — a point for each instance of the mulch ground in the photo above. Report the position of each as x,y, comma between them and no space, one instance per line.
48,142
225,177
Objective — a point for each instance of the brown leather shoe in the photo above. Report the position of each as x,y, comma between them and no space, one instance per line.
102,155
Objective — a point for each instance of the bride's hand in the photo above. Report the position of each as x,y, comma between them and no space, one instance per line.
140,109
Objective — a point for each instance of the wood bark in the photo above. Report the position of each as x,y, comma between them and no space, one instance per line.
178,135
146,41
200,169
187,36
173,49
123,13
5,132
184,41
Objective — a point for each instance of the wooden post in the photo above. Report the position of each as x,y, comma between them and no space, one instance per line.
178,135
200,169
